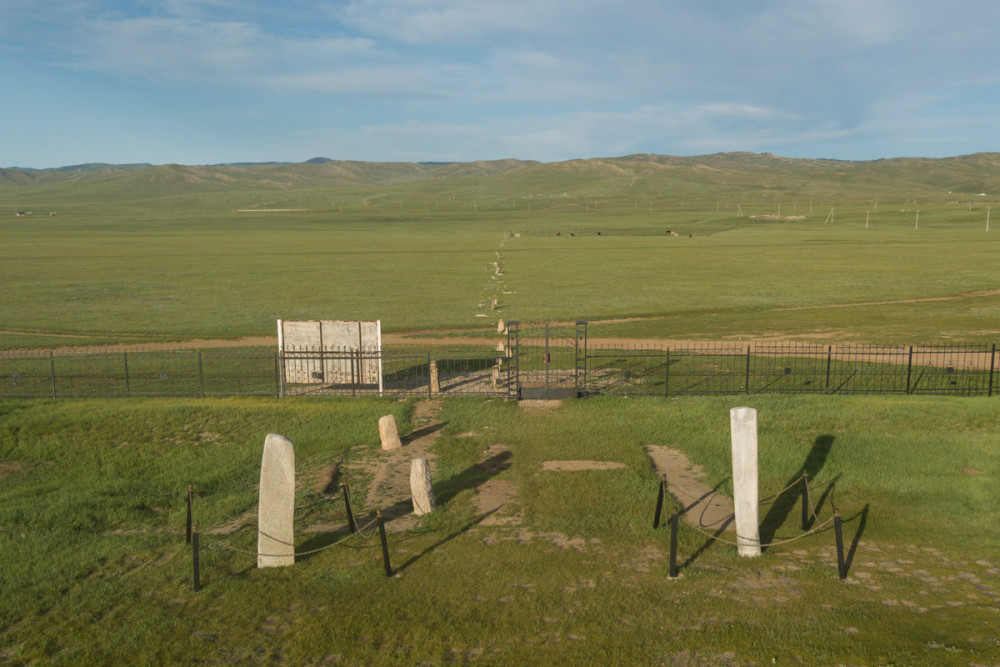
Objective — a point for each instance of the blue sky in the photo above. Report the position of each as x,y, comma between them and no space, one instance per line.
211,81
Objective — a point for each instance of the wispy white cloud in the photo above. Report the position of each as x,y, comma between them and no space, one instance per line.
454,79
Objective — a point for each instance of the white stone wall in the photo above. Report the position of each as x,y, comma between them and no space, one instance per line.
299,340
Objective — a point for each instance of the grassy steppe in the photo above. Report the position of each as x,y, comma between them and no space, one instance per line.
233,275
761,246
92,492
92,515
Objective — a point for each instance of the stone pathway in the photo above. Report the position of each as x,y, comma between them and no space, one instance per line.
704,508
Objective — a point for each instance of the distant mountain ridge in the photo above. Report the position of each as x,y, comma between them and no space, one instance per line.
639,175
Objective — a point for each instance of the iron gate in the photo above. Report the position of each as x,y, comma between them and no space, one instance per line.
548,361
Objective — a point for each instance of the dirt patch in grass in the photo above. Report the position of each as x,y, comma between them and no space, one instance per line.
535,406
495,497
8,467
11,467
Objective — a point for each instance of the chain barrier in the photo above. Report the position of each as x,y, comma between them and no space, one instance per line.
804,480
746,540
225,545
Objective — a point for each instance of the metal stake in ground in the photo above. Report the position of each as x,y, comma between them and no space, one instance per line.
385,544
189,501
839,532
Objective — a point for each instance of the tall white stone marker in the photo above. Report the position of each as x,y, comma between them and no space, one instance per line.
420,487
743,425
276,510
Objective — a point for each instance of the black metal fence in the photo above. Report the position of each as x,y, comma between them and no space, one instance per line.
762,368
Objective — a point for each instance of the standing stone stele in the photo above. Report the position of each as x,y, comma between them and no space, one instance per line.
501,327
420,487
743,425
276,509
388,433
435,378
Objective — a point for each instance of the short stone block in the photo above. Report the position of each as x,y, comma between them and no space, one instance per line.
388,433
420,487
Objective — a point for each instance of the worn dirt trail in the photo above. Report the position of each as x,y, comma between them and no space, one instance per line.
390,488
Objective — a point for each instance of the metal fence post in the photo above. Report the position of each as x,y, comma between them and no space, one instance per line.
748,370
281,372
909,369
128,389
52,371
201,377
277,374
666,377
190,514
829,359
993,356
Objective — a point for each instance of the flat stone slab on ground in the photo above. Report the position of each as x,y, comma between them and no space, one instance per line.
582,465
703,507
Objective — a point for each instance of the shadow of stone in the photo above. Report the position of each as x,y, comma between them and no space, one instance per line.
445,540
472,477
319,541
420,433
785,501
398,509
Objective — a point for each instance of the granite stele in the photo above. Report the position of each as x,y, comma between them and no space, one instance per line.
743,425
275,522
421,488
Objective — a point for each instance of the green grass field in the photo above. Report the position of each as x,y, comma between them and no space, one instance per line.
891,261
92,492
92,505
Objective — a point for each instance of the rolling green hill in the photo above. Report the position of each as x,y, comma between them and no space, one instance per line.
743,175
